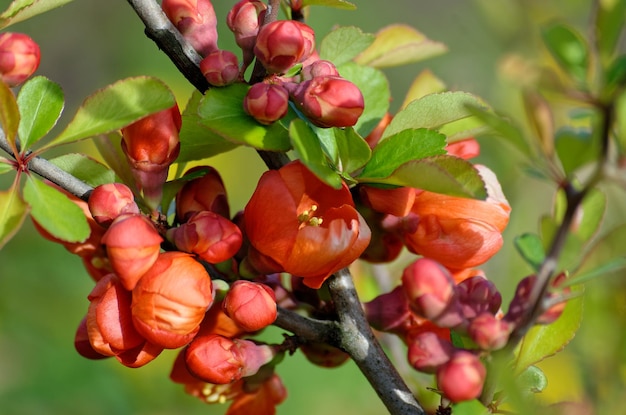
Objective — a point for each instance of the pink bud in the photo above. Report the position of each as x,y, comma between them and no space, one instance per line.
196,21
330,101
489,332
462,377
19,58
220,68
108,201
244,20
171,299
210,236
151,145
324,355
429,287
283,43
217,359
266,103
133,245
388,312
251,305
206,192
478,295
521,301
318,68
427,351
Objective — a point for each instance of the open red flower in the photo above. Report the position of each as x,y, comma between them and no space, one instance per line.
298,224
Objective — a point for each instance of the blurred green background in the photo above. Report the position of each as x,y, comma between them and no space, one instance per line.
89,44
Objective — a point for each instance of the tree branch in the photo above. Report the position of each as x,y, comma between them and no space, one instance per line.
312,330
358,340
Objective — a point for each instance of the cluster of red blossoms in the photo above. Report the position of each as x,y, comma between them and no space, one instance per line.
317,90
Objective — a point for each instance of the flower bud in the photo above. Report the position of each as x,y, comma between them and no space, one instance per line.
266,103
82,344
478,295
196,21
108,201
318,68
283,43
217,359
140,355
330,101
251,305
206,192
427,351
244,20
388,312
216,321
19,58
220,68
324,355
133,245
210,236
429,288
170,300
489,332
521,301
462,377
151,145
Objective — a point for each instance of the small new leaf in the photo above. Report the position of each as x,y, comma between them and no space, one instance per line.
9,115
40,102
530,247
13,210
343,44
20,10
85,168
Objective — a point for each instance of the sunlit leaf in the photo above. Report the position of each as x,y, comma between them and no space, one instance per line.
5,166
569,49
433,111
306,144
221,112
398,45
40,102
84,168
116,106
443,174
546,340
337,4
55,212
401,148
197,142
343,44
425,83
9,114
353,150
20,10
531,249
13,210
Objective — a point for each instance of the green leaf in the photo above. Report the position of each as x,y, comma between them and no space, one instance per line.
85,168
443,174
532,380
608,26
401,148
398,45
55,212
607,250
425,83
13,210
197,142
433,111
40,102
504,128
605,269
9,114
576,148
343,44
20,10
588,217
376,95
337,4
531,249
353,150
307,145
473,407
5,166
570,253
109,147
568,48
546,340
221,111
115,107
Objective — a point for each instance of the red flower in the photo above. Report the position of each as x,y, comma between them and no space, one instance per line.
19,58
298,224
251,305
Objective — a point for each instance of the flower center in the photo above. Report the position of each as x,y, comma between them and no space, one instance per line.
308,218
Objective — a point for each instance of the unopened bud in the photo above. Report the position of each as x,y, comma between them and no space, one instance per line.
266,103
244,20
196,21
478,295
19,58
427,352
330,101
220,68
133,245
324,355
318,68
388,312
108,201
429,288
489,332
462,377
283,43
83,345
206,192
251,305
